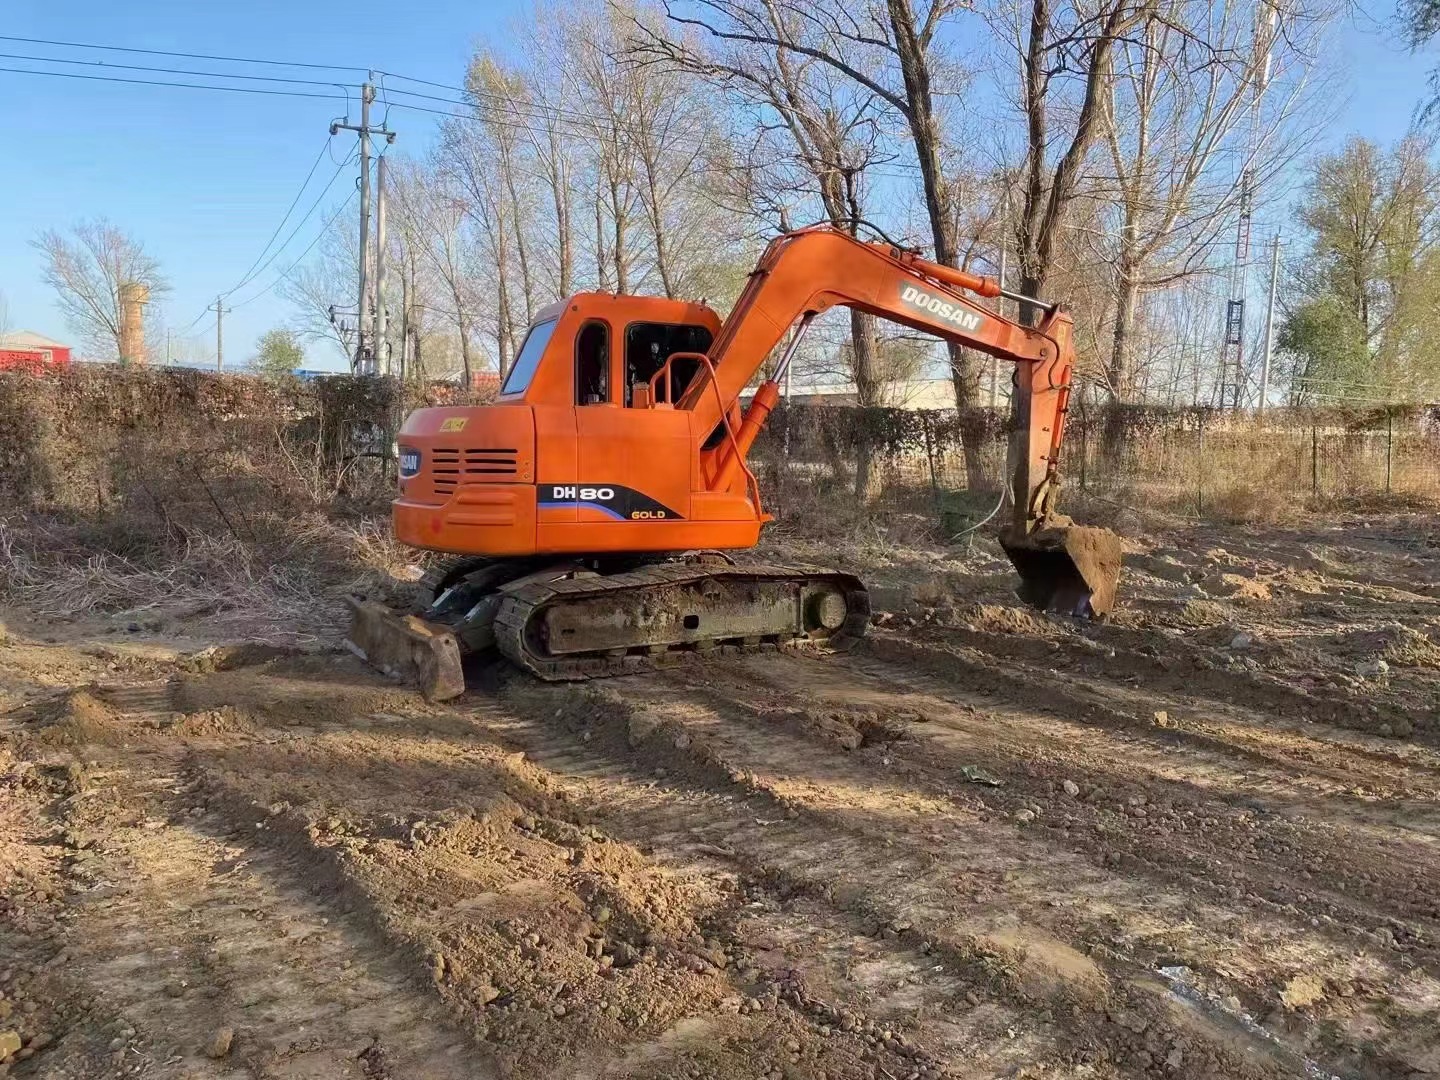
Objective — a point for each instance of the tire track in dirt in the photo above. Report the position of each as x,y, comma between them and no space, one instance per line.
763,866
1365,866
198,956
1204,673
1317,758
570,953
206,935
1183,679
773,759
788,925
893,884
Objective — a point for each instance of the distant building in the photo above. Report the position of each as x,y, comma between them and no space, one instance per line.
911,394
25,350
482,382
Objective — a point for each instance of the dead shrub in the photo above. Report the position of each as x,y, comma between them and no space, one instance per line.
1246,503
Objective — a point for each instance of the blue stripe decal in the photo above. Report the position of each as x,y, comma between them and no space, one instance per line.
592,505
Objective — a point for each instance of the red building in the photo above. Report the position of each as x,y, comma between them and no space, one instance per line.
26,351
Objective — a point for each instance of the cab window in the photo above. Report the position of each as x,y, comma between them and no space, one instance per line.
523,369
592,364
648,345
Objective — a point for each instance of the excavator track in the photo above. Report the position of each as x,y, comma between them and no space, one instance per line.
595,626
444,573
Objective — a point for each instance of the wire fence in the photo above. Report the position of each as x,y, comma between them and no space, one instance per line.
187,447
1205,463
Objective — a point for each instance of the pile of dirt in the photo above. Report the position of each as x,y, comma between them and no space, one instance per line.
74,718
1235,587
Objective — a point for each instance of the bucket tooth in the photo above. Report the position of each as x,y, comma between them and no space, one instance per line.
1070,569
407,648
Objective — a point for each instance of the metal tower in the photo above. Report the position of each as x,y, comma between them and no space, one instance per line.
1232,387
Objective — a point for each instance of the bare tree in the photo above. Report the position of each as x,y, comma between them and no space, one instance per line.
893,51
1206,102
826,128
1065,63
87,269
439,213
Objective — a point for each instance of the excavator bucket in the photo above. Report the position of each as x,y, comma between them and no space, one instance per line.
1070,569
407,648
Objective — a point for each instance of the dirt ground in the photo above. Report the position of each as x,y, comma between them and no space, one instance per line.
1197,840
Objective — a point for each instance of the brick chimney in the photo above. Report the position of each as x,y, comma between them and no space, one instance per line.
133,297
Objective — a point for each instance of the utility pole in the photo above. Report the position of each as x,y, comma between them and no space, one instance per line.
364,362
378,344
367,94
1270,321
220,311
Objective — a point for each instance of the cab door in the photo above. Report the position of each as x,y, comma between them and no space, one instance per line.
634,465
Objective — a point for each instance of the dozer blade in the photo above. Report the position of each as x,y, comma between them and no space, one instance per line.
1071,569
407,648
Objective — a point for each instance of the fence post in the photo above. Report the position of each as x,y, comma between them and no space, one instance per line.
1389,446
1314,459
930,460
1200,468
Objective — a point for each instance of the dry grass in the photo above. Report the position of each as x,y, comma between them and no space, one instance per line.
282,589
206,573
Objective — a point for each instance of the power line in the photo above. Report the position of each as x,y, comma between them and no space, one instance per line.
251,271
256,268
298,226
301,257
526,109
158,82
186,55
536,107
570,119
166,70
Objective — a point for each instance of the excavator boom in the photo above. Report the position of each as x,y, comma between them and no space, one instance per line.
1062,566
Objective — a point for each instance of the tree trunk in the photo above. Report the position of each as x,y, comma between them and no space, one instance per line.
1121,367
521,248
862,337
617,212
867,394
657,226
965,378
560,193
602,265
1122,346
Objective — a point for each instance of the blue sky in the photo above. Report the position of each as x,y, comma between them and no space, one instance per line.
204,177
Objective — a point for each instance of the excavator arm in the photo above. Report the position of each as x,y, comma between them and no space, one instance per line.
806,272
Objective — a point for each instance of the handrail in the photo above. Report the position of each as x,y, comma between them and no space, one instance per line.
730,431
752,483
669,381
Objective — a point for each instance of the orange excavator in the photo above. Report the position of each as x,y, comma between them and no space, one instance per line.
592,505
